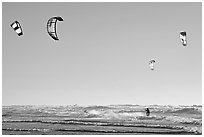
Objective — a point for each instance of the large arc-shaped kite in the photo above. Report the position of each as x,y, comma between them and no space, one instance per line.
51,27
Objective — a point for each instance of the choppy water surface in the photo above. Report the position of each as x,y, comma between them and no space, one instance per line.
112,119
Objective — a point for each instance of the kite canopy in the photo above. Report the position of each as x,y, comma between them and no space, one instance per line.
151,64
17,28
51,27
183,38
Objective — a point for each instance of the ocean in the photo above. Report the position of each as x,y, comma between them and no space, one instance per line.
101,120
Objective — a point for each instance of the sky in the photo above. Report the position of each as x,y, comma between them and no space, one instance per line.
103,54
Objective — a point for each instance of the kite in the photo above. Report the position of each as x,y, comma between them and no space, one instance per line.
17,28
151,64
183,38
52,28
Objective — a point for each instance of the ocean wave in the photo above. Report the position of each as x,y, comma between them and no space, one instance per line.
94,122
19,129
110,117
184,120
111,114
73,122
116,111
128,131
101,131
151,118
26,121
195,130
185,111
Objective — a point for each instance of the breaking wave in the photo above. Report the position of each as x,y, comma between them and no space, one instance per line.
102,131
103,123
186,111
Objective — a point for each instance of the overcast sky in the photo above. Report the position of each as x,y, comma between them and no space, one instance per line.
103,54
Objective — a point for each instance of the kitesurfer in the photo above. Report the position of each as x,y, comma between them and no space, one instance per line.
147,111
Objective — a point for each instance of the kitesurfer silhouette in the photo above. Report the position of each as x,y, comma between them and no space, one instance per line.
147,111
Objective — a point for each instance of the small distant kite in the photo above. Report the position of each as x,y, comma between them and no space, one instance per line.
183,38
17,28
151,64
52,28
